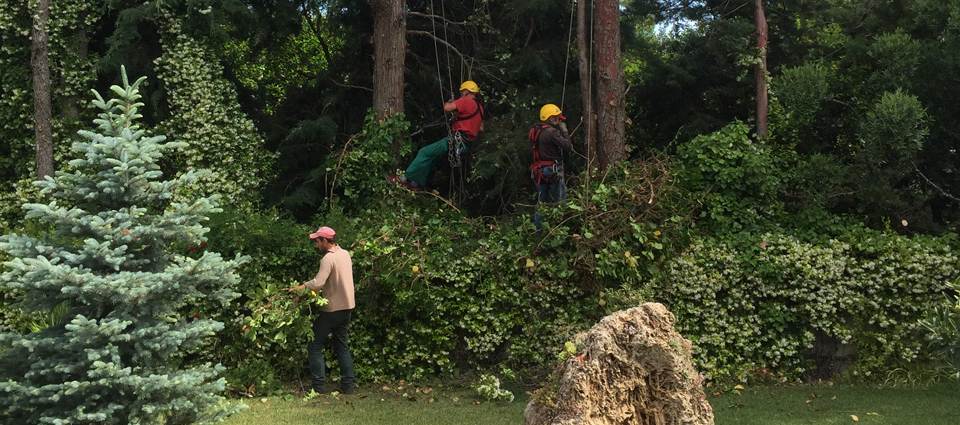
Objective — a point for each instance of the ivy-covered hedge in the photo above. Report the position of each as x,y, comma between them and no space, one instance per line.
757,304
437,292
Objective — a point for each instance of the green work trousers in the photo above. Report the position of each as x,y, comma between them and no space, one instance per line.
427,159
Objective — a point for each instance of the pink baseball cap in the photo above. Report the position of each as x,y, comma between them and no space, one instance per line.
323,232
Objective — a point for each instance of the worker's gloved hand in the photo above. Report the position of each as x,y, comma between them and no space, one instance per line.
563,128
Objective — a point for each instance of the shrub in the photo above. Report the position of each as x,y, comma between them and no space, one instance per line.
943,324
439,292
758,303
488,388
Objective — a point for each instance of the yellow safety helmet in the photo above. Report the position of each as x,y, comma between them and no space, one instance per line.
550,110
470,86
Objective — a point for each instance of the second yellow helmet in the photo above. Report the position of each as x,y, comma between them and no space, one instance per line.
548,111
470,86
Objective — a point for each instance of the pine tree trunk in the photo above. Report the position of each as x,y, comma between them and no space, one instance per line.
584,42
40,68
389,48
611,107
763,101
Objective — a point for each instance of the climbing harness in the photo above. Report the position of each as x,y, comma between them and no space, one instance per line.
456,139
542,171
478,111
457,153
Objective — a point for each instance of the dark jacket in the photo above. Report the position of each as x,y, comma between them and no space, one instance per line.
552,144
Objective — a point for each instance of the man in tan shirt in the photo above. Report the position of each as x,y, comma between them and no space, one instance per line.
335,281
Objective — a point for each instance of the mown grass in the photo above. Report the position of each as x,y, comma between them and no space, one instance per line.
391,404
438,404
838,404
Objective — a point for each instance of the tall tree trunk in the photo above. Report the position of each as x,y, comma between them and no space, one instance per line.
584,41
763,102
40,68
389,48
611,107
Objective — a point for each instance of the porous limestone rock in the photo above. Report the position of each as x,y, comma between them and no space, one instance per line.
631,368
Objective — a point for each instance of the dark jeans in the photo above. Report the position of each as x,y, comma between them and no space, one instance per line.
549,192
335,322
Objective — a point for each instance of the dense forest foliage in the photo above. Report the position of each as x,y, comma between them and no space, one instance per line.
824,247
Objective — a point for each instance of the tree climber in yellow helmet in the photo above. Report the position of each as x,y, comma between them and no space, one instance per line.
550,141
467,124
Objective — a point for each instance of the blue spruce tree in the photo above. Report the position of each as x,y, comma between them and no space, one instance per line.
110,244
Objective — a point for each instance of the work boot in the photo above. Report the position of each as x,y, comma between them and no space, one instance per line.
402,182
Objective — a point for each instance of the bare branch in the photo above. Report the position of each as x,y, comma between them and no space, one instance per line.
533,28
315,29
441,41
349,86
425,15
433,194
943,192
488,68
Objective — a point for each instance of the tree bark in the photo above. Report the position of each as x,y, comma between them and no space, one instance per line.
40,69
763,101
389,49
611,106
584,41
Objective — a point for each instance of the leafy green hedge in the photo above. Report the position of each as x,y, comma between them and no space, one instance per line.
437,291
756,303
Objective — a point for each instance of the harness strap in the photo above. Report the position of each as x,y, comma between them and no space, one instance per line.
478,111
536,169
534,139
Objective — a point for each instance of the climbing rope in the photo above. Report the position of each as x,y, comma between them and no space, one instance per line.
436,52
454,146
566,64
443,10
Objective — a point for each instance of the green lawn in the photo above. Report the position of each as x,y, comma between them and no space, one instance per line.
398,405
825,404
395,405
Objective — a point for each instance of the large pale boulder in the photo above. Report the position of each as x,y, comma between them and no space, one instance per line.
631,368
